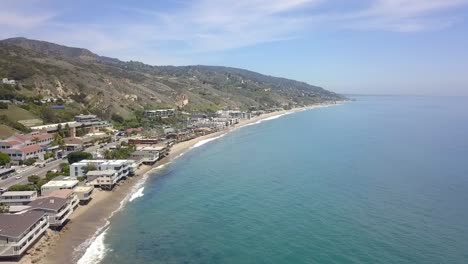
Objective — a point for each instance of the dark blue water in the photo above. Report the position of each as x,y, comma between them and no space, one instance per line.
379,180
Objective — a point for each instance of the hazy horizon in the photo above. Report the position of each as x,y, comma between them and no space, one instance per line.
375,47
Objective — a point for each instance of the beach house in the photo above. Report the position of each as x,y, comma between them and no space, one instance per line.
57,209
19,231
68,194
84,192
146,155
18,198
123,168
106,179
59,183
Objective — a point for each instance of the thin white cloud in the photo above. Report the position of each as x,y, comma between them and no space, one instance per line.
201,26
405,15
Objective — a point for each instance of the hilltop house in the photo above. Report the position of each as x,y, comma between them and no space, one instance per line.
10,82
161,113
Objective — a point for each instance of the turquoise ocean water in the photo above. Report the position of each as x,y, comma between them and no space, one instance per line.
379,180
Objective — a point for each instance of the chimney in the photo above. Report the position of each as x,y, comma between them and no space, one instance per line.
51,201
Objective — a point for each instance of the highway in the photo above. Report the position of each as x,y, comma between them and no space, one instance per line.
12,180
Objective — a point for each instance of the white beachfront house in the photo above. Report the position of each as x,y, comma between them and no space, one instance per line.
146,155
18,198
105,179
59,183
84,192
123,168
19,231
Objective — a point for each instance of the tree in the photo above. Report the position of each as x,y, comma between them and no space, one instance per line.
78,156
29,161
48,155
81,178
4,159
22,187
34,179
117,118
89,167
4,208
65,168
58,141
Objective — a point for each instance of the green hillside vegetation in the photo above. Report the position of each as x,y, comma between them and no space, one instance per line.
6,131
16,113
88,83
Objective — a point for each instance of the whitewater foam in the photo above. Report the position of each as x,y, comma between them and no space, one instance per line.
94,247
203,142
137,194
97,250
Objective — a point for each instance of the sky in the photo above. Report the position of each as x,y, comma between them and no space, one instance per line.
416,47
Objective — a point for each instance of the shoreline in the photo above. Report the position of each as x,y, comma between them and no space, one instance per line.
89,223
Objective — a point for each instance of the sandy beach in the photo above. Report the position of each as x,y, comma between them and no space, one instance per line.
69,244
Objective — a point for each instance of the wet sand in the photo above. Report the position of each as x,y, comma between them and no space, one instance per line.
70,243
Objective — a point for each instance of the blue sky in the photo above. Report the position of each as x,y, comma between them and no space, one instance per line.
367,46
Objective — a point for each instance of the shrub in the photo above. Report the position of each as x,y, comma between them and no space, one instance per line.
78,156
22,187
29,161
4,159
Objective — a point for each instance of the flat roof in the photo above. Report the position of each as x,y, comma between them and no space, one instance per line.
84,162
159,110
84,189
147,148
86,115
67,183
18,208
48,203
100,172
63,193
13,225
18,193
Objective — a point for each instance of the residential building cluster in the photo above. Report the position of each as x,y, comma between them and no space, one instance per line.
21,147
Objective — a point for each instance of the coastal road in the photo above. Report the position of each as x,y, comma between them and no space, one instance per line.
12,180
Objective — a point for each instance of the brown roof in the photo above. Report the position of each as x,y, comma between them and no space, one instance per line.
73,141
64,193
14,142
41,136
13,225
48,203
30,148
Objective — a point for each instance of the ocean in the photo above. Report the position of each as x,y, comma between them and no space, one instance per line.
383,179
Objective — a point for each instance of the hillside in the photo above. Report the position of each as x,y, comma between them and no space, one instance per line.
87,82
